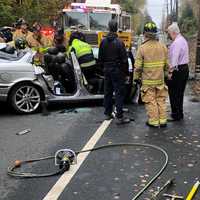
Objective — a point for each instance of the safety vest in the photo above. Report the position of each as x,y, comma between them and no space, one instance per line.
151,63
83,53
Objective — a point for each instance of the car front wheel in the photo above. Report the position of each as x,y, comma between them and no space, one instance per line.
25,98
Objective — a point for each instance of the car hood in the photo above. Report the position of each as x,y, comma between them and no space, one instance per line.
17,67
25,55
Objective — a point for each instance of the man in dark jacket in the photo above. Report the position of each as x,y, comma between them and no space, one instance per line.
114,60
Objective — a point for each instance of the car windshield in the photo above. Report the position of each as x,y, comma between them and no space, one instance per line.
99,21
77,19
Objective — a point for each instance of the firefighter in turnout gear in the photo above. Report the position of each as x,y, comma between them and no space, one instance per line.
39,43
151,68
21,30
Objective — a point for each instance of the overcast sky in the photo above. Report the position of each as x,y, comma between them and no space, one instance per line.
155,9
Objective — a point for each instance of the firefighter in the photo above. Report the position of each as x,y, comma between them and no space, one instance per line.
20,43
84,55
82,50
37,40
151,68
39,43
114,60
21,30
59,40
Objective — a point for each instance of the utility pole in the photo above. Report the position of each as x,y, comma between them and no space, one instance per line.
167,9
197,67
177,8
171,11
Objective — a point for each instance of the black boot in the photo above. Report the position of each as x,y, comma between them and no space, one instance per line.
109,117
122,120
152,126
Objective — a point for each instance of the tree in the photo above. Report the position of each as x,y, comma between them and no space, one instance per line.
135,8
6,14
38,10
44,10
188,22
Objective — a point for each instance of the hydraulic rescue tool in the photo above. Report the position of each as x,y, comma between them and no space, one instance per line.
173,197
193,191
167,184
66,157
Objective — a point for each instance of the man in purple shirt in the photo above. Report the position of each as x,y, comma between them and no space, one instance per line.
179,71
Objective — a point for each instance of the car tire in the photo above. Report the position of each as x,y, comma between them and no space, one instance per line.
25,98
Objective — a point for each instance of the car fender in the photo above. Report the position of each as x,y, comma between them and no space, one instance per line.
39,84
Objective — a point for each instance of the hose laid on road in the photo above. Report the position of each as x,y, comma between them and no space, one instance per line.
12,172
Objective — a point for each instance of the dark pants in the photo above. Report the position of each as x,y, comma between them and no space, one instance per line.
92,79
89,72
176,90
114,82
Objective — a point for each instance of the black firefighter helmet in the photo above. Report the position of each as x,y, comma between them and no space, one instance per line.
20,43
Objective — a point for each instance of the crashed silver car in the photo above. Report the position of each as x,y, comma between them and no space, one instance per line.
24,85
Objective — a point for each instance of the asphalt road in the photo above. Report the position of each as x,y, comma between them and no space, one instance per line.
117,173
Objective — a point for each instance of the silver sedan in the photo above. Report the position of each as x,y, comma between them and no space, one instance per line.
25,86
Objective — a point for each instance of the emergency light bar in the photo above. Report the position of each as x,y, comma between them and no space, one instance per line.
94,6
98,3
78,5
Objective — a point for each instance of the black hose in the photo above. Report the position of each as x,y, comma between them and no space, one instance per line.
11,170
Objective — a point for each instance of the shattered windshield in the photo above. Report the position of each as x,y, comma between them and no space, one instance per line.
76,19
99,21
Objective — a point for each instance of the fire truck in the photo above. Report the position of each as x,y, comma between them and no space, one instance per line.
93,20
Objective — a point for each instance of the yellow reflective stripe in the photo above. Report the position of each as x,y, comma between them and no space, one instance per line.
82,53
40,49
43,49
138,62
153,122
152,82
35,48
163,121
154,64
88,64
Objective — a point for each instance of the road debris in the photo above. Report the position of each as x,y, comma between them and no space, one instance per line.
160,189
173,196
23,132
75,110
